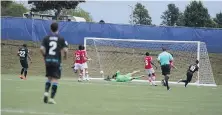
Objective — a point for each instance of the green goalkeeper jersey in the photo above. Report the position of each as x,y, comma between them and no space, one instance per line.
123,78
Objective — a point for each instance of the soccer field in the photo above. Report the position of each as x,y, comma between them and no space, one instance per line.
107,98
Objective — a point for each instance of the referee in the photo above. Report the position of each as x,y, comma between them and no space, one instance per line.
164,59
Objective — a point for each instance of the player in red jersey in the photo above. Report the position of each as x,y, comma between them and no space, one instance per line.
85,65
78,58
149,69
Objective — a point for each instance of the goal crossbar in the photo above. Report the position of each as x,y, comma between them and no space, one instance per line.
138,40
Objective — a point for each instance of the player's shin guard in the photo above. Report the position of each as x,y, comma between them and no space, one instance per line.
150,79
166,80
87,75
186,83
163,82
47,85
153,79
83,74
54,89
25,74
80,77
22,71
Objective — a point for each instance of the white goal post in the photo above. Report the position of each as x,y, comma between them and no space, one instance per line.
126,55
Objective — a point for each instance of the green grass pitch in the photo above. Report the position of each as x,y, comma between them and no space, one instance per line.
107,98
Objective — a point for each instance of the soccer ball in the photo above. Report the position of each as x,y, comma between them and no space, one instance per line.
101,72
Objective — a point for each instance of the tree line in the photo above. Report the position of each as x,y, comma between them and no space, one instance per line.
10,8
195,15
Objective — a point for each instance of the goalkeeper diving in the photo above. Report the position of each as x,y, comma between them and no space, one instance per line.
117,77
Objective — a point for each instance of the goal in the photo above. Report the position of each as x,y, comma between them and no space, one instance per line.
126,55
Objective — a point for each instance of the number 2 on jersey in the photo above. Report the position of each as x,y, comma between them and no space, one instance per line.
22,53
53,46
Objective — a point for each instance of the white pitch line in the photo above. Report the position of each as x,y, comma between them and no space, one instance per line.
32,112
135,82
69,82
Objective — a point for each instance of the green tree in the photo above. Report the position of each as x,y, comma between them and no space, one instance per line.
196,15
218,19
180,21
5,4
79,12
141,15
211,23
171,15
57,6
13,9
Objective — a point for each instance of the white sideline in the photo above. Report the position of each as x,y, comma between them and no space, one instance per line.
144,81
31,112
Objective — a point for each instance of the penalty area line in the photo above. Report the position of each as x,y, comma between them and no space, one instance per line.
31,112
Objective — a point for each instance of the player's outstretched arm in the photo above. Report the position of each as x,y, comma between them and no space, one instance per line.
89,59
154,65
174,66
134,72
138,77
42,51
18,53
74,58
30,59
65,50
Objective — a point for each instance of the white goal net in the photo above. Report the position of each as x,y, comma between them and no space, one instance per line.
126,55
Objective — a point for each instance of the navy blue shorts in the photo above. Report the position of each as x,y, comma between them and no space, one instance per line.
165,69
24,63
53,69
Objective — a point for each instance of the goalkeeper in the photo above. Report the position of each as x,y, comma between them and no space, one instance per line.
117,77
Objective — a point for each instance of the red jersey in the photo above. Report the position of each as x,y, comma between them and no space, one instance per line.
84,54
79,57
148,64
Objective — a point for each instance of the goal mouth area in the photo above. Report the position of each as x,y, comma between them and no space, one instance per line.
159,82
127,55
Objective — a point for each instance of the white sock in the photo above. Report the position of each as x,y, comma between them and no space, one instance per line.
80,77
153,83
84,75
153,80
87,76
150,81
46,94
